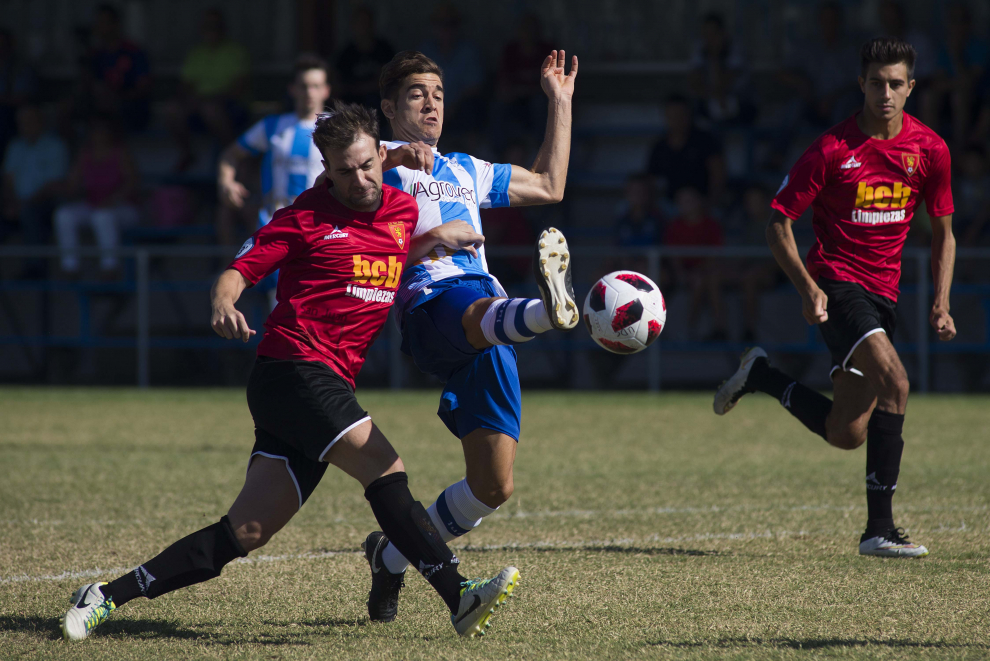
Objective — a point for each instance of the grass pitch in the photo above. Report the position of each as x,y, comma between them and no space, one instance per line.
644,527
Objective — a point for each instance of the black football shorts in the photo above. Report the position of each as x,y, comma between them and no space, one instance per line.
853,315
300,410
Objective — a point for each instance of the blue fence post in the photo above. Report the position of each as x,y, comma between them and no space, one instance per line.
653,353
143,323
921,256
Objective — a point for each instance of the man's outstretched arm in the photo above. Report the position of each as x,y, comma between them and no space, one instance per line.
544,182
457,234
780,238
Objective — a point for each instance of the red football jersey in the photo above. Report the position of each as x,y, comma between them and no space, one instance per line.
338,272
863,193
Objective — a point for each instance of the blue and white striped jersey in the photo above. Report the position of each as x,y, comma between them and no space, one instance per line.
291,161
459,187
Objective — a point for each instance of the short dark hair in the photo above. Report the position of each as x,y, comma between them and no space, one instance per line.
340,127
405,63
308,61
888,50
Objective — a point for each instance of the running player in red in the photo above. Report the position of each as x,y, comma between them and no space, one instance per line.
863,178
341,249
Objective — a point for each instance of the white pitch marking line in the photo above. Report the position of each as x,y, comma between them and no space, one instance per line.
467,548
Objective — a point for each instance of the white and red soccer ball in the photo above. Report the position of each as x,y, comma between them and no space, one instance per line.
625,312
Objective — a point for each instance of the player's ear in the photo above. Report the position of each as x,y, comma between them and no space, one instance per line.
388,108
382,152
910,86
862,84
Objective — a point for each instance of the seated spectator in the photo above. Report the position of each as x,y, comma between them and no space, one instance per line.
701,275
34,169
719,75
687,156
960,62
465,110
114,78
758,275
104,181
822,71
972,198
510,227
520,107
18,85
360,62
212,88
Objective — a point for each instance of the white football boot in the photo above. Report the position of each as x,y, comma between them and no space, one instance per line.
735,387
89,610
891,544
552,268
480,599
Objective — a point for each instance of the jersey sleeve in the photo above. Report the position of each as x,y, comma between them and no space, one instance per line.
938,183
257,139
802,184
270,247
493,183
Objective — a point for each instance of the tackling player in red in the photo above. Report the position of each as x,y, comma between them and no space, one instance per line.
864,179
341,248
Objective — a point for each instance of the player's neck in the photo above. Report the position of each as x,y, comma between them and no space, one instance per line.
879,128
401,136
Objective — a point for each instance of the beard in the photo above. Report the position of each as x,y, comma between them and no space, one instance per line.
366,199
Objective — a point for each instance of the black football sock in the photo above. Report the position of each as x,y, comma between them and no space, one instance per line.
884,446
807,405
193,559
407,525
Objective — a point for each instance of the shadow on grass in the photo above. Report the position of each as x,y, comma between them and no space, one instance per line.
48,629
820,643
592,548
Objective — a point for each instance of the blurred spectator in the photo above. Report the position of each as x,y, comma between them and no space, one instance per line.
639,224
823,70
104,180
18,85
463,73
291,161
719,76
509,226
360,62
893,22
687,155
960,62
972,197
701,275
212,88
520,107
34,169
757,275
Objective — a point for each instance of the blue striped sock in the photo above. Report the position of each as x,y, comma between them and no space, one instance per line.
514,320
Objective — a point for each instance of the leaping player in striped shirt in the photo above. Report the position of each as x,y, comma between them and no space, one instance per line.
457,322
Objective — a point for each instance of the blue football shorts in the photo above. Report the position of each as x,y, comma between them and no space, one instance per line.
481,388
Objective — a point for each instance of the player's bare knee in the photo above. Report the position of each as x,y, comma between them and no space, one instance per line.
252,535
846,439
894,389
496,492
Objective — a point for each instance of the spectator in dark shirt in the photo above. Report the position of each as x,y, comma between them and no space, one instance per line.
510,226
971,195
639,224
520,107
360,62
212,88
116,78
701,275
18,85
686,155
756,275
960,62
719,75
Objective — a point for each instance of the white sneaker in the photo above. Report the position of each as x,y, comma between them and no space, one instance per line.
552,268
479,599
735,387
891,544
89,610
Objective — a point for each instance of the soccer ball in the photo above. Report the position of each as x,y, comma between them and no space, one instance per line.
625,312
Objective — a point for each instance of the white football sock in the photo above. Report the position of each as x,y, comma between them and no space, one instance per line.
514,320
455,512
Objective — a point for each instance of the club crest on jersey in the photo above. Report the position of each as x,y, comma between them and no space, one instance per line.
910,162
398,232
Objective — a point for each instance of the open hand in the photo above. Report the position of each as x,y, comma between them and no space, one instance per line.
942,322
233,194
460,235
552,79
